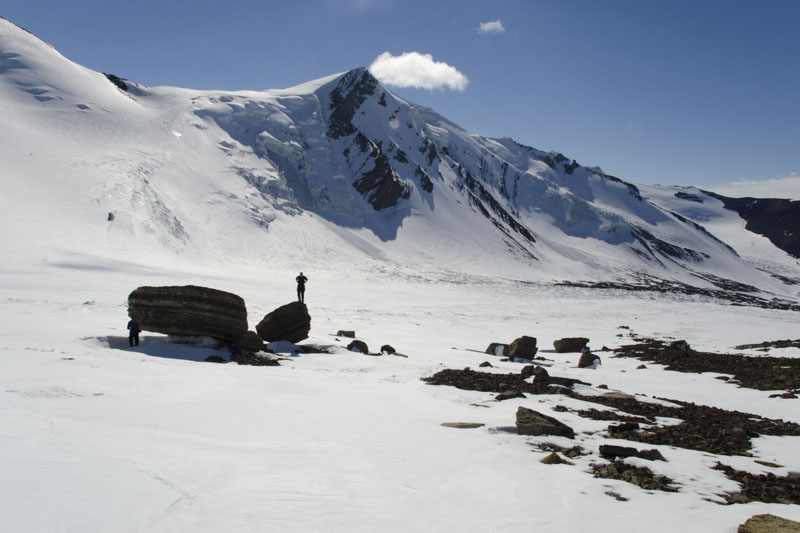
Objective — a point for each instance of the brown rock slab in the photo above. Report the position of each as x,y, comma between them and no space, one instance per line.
290,322
189,311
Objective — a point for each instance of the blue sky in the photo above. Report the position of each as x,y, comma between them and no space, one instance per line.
674,92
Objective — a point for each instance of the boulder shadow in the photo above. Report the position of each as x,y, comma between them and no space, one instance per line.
159,346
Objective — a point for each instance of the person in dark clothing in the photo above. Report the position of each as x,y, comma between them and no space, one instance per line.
133,337
301,287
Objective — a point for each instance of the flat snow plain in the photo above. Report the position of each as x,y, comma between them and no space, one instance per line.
96,436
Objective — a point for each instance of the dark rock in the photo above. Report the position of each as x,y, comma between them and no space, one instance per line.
530,422
767,488
253,359
642,477
524,348
621,428
610,452
387,349
539,371
570,344
527,371
250,342
508,395
641,367
350,334
546,380
602,386
651,455
215,359
485,364
358,346
768,523
493,349
189,311
588,359
290,322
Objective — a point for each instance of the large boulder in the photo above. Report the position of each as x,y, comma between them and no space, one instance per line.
768,523
570,344
290,322
189,311
497,349
523,347
530,422
588,360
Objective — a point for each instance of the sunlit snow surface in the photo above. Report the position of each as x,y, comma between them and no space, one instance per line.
97,436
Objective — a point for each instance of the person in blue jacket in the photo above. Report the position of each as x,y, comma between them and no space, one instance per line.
133,337
301,287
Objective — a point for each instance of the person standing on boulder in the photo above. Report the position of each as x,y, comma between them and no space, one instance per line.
301,287
133,337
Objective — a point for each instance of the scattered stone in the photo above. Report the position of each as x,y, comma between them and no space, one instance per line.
786,395
588,360
545,380
250,342
570,344
312,348
615,395
640,476
486,364
523,348
761,373
621,428
611,452
605,387
215,359
641,367
508,395
290,322
527,371
189,311
605,349
530,422
462,425
595,414
555,459
768,523
768,464
497,349
767,488
387,349
616,496
771,344
253,359
358,346
350,334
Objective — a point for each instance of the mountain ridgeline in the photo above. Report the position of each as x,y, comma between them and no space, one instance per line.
345,166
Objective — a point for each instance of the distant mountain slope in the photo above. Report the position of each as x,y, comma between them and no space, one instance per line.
340,166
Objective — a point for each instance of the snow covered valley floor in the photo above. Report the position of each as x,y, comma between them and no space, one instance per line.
96,436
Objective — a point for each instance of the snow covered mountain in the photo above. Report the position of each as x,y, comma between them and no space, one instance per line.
95,165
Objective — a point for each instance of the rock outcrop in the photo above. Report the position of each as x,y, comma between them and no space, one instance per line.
523,347
570,344
768,523
290,322
530,422
498,349
358,346
189,311
588,360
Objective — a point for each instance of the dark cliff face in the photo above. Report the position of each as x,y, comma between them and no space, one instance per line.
352,90
776,219
376,180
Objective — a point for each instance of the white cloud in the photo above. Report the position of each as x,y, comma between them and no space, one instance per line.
493,26
785,187
413,69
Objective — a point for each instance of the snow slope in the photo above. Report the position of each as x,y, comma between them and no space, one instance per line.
337,164
104,190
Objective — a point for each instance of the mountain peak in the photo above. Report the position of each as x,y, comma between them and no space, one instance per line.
351,91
